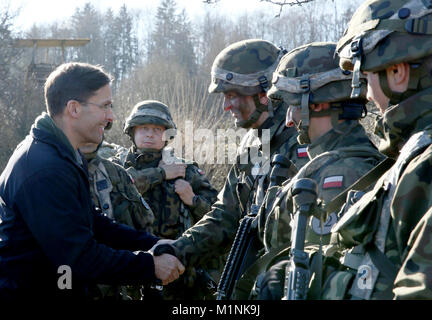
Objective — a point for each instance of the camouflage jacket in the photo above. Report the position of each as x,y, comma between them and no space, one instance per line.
113,191
108,150
338,159
390,216
172,216
214,233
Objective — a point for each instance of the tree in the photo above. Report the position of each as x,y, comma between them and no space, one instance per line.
87,23
127,42
172,38
20,101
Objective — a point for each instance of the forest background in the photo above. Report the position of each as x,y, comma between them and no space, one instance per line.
159,54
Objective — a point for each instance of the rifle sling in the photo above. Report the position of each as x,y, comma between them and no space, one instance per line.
361,184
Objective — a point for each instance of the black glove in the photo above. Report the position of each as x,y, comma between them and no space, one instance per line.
164,248
271,286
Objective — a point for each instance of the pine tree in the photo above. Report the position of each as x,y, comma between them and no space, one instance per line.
172,38
87,23
128,42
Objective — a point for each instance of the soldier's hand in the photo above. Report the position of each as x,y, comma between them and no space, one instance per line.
174,170
161,241
272,283
167,268
184,190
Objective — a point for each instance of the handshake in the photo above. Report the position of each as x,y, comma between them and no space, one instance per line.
167,267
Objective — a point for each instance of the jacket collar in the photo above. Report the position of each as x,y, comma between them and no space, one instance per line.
45,130
399,122
348,133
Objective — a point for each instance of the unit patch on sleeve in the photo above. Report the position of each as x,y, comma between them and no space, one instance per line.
302,152
101,185
333,182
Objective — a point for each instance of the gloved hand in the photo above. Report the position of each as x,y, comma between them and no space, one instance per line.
167,267
161,242
271,284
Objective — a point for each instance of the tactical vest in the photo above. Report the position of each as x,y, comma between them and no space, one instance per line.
369,259
254,176
311,170
174,214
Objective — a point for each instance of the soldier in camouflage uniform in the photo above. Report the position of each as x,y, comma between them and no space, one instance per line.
178,193
385,236
309,80
113,191
108,150
242,72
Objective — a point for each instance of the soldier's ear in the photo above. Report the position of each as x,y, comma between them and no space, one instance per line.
398,76
263,98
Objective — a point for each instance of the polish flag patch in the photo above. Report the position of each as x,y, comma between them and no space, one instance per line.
302,152
333,182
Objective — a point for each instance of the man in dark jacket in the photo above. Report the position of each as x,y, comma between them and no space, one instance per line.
53,242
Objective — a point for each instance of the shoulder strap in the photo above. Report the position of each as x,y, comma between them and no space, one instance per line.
384,265
361,184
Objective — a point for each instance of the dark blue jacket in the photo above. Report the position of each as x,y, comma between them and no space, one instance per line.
47,220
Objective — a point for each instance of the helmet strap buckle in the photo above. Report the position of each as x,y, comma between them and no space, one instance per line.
305,86
357,52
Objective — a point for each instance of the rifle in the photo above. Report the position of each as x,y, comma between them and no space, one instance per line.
297,274
241,254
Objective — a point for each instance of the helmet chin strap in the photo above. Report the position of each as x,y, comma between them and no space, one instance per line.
259,109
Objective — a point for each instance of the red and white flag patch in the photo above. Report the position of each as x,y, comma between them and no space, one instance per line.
302,152
333,182
200,171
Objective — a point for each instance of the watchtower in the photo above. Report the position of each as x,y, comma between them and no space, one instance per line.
39,71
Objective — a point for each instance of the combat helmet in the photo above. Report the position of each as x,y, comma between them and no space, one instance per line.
382,33
310,74
149,112
246,67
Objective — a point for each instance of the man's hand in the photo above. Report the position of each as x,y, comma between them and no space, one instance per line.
184,190
173,170
167,268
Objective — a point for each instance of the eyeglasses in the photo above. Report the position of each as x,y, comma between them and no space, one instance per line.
104,107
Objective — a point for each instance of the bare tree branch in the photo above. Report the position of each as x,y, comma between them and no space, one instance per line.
281,4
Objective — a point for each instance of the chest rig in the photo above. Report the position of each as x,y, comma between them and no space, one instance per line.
369,259
253,176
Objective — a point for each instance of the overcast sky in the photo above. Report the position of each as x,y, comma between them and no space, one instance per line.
47,11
